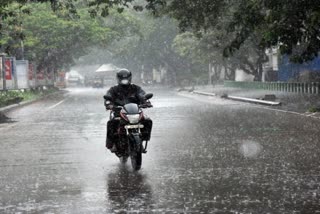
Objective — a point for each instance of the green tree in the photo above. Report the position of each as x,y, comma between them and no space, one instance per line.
153,49
51,40
212,47
292,25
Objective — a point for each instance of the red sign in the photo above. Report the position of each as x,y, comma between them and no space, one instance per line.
62,74
30,71
8,69
49,75
40,75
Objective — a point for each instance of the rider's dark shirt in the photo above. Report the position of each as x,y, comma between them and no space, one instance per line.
122,95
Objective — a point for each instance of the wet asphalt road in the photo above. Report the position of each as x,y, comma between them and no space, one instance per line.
206,156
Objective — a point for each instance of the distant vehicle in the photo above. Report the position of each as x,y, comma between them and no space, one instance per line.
74,81
97,83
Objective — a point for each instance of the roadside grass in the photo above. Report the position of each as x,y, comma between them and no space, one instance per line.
314,109
17,96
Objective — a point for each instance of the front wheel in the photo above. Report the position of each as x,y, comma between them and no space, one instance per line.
123,159
136,153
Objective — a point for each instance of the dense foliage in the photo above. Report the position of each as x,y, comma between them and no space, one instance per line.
293,25
228,33
52,40
248,26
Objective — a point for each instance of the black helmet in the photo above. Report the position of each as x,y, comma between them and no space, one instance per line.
124,77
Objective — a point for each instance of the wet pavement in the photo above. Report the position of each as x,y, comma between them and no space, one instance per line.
206,155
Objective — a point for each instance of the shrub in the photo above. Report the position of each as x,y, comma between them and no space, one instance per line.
314,109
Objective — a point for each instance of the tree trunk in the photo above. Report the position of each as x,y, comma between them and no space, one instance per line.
258,74
230,74
210,74
217,72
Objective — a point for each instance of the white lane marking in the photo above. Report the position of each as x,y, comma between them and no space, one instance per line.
55,105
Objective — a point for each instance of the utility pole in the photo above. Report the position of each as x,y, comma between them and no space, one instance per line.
210,74
14,71
22,49
3,71
21,40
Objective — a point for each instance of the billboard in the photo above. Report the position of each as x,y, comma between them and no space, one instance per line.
31,71
8,66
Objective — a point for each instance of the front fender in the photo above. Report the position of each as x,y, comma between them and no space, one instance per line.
135,142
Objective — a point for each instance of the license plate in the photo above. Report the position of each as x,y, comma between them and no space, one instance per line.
134,126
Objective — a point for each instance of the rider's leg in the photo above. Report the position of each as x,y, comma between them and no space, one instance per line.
111,131
146,131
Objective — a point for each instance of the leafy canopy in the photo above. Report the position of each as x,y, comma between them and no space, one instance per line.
293,25
50,39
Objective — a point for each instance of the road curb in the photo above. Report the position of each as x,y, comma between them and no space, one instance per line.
25,103
204,93
255,101
10,107
241,99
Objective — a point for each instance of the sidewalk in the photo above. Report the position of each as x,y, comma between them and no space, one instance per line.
295,102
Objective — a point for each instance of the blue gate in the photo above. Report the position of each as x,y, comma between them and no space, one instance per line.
289,70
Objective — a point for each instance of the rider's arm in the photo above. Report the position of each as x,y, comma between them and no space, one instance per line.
141,92
109,103
140,95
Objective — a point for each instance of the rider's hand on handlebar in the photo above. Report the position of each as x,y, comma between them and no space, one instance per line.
109,107
146,105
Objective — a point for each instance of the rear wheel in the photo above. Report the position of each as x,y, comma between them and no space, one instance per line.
136,153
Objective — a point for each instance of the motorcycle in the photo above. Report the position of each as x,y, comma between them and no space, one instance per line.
130,141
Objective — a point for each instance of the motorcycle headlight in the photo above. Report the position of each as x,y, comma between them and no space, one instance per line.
133,118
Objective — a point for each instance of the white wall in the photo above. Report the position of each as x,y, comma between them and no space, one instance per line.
156,76
243,77
22,73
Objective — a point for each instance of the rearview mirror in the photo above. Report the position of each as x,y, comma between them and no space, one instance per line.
107,97
148,96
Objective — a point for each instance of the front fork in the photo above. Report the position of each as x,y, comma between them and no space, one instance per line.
136,139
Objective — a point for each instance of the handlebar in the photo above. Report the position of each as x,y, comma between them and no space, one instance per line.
146,105
115,108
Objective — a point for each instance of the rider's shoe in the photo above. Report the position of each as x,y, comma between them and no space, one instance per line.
109,144
113,149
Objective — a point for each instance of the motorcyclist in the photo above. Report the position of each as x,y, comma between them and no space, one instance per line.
121,94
